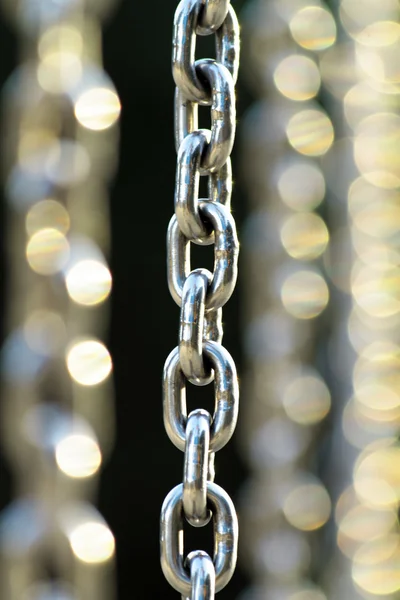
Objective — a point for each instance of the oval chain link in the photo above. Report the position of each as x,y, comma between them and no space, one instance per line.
199,357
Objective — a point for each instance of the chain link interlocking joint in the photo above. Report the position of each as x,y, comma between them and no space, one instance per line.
199,357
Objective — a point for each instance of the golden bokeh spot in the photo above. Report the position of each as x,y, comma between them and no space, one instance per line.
307,400
89,362
304,236
379,33
377,149
377,290
377,476
305,294
58,72
47,251
47,214
60,38
78,456
310,132
375,211
98,109
381,577
314,28
307,507
88,282
297,77
92,542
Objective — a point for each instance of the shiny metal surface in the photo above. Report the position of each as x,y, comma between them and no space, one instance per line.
202,575
223,114
212,15
192,327
187,182
226,251
172,539
199,357
226,391
195,469
191,17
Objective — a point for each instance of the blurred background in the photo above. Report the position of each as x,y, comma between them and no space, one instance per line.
313,325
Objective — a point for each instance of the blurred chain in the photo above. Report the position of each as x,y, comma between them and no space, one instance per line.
57,418
199,357
283,134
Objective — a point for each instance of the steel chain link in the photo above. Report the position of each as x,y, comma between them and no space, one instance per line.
199,357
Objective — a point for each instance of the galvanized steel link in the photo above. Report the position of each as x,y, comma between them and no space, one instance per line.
226,390
171,538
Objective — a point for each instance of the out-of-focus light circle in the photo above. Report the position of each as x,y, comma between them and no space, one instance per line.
98,109
375,211
314,28
58,72
378,397
356,16
302,186
305,294
78,456
307,507
45,332
92,542
307,400
377,149
362,100
47,251
304,236
382,577
297,77
377,476
47,214
89,362
88,282
310,132
60,38
377,291
379,33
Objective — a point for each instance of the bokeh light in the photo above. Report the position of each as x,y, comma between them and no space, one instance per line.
302,186
89,362
304,236
314,28
78,456
305,294
307,400
47,214
47,251
98,109
92,542
310,132
297,77
88,282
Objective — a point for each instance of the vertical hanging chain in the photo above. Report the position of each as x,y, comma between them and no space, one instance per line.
57,412
199,357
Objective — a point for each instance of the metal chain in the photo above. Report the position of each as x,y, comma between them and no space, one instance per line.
199,357
59,137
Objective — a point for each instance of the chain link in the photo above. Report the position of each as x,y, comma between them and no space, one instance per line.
199,357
